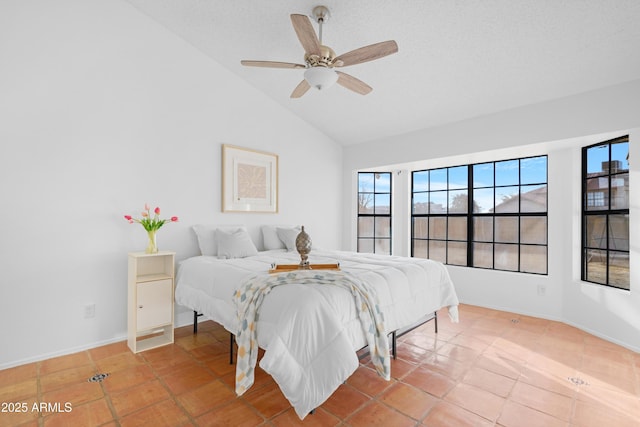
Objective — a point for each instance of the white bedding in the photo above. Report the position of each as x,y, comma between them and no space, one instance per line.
407,288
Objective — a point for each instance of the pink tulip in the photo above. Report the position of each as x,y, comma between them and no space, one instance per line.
127,217
144,214
157,211
146,206
174,219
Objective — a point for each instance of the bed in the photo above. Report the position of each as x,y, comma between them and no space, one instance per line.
311,332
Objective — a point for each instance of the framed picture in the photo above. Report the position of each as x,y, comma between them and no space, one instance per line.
249,180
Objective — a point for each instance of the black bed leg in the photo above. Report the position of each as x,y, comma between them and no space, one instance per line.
195,321
230,349
393,344
435,315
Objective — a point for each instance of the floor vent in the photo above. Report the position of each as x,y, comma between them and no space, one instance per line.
97,378
577,381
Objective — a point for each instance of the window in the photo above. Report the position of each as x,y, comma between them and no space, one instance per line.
486,215
605,213
374,212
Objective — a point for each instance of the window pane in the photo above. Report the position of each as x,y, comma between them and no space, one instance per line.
365,226
438,179
597,194
620,191
533,259
483,200
365,203
507,173
483,175
458,177
438,227
533,230
533,198
619,269
382,204
383,227
483,229
420,228
596,270
619,232
421,181
365,245
597,159
620,157
438,202
420,248
458,201
483,255
596,231
507,199
437,251
420,203
506,229
457,253
383,183
383,246
533,170
506,257
457,228
365,182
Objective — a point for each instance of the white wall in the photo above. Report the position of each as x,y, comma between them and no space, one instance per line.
557,128
102,110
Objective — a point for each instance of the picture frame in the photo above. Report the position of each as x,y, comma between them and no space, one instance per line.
249,180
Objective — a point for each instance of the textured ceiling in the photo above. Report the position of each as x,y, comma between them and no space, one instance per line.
456,59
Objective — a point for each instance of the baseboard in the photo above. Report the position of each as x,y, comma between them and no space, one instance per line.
181,319
64,352
575,325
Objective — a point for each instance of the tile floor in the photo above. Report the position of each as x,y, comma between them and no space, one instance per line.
491,369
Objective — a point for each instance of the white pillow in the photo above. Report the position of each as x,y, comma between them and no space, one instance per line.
236,244
207,239
270,239
288,237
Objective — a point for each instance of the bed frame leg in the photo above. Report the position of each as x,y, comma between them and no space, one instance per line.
435,317
393,344
231,339
195,321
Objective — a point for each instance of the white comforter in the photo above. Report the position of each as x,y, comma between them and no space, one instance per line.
407,288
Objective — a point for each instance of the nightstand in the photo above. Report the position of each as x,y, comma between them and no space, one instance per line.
150,300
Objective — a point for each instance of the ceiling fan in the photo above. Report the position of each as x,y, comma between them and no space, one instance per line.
320,60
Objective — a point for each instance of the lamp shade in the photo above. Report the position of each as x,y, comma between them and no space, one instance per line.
320,77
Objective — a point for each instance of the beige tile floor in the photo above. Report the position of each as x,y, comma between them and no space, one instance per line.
491,369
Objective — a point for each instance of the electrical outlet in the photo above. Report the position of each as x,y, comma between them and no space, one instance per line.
89,311
542,290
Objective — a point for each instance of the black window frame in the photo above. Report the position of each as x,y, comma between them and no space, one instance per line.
605,210
471,215
375,215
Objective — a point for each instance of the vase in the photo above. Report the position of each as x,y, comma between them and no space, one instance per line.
152,246
303,245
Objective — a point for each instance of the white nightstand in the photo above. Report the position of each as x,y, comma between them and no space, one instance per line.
150,305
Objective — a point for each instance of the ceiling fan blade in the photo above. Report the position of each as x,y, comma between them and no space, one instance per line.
367,53
351,83
301,89
271,64
306,34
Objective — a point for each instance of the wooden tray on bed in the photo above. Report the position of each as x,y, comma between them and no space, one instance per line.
282,268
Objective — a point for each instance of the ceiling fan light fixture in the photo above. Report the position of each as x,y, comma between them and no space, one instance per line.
321,77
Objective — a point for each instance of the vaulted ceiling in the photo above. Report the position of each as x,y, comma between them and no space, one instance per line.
457,59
